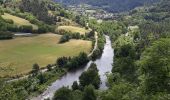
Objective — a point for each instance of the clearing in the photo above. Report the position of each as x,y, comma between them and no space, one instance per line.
19,54
19,21
73,29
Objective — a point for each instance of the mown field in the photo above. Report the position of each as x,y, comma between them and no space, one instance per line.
73,29
19,54
18,21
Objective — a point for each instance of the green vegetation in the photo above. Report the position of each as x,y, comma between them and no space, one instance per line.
31,86
141,61
74,62
110,5
141,41
5,35
89,80
90,76
41,49
19,21
72,29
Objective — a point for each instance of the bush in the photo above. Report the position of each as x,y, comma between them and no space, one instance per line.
63,93
12,28
26,28
90,76
42,29
10,21
6,35
64,38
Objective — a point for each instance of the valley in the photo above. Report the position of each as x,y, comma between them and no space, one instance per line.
84,49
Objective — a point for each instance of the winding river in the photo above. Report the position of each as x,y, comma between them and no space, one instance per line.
104,65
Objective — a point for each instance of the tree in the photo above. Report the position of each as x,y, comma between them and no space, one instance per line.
124,62
77,95
62,61
75,85
41,78
35,69
64,38
26,28
89,93
90,76
155,67
49,67
63,94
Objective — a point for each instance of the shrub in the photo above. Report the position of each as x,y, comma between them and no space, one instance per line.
10,21
64,38
6,35
26,28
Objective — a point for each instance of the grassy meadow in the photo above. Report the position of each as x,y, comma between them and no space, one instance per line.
19,54
18,21
73,29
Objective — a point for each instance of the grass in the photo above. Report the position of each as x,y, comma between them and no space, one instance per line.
19,21
73,29
19,54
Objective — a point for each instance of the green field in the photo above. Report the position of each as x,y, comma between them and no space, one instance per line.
18,21
73,29
19,54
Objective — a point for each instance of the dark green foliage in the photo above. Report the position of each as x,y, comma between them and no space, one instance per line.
6,35
64,38
124,62
49,67
89,93
37,8
77,95
117,92
41,78
62,61
90,76
35,69
77,62
26,28
75,85
74,62
91,34
155,65
63,94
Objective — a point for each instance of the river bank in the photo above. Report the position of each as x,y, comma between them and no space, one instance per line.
104,65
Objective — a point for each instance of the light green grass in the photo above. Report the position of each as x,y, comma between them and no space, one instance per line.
73,29
18,21
19,54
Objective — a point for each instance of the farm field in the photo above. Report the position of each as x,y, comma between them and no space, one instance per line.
18,21
19,54
73,29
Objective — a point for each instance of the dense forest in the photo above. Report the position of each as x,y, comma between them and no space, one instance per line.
111,5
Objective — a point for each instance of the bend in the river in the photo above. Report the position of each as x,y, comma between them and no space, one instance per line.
104,65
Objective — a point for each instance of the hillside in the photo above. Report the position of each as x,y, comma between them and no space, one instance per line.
110,5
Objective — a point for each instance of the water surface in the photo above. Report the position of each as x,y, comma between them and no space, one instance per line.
104,65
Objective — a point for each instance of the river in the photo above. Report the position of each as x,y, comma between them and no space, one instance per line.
104,65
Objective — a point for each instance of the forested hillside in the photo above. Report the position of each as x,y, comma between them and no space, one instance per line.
141,41
111,5
140,38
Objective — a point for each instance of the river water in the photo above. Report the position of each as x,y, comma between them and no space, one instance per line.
104,65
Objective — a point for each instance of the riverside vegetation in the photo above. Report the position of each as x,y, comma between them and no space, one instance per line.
141,65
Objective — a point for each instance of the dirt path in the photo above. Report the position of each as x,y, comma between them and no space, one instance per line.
96,43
